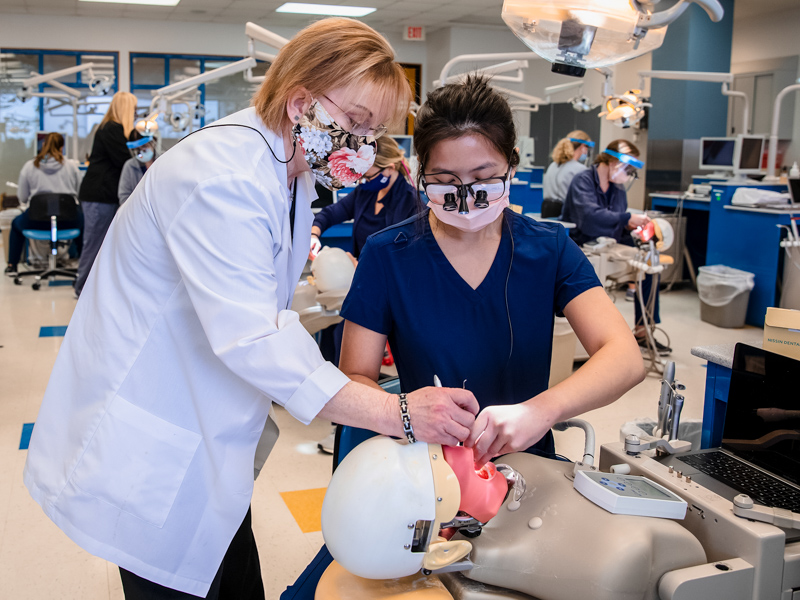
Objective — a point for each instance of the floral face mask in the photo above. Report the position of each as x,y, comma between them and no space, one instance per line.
335,156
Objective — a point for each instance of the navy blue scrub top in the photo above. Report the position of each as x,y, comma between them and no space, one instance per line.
405,288
399,204
595,213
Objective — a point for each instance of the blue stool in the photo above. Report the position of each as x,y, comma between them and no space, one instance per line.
49,207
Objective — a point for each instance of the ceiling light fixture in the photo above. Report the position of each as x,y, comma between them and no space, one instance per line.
325,9
144,2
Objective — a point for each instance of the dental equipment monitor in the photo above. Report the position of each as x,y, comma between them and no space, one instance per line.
716,153
748,153
629,495
406,143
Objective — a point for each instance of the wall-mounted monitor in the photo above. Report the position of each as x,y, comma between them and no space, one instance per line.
748,154
406,142
716,153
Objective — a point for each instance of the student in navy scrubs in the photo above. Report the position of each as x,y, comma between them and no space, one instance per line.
468,290
597,202
384,197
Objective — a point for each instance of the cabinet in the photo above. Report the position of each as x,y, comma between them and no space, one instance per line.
762,81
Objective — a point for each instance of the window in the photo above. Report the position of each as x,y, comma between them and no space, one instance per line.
212,101
20,120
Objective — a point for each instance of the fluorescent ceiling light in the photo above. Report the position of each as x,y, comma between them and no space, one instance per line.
147,2
324,9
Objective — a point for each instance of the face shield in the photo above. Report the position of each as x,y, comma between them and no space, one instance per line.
626,172
142,149
589,155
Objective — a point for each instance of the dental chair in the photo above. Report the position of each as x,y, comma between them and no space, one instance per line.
50,208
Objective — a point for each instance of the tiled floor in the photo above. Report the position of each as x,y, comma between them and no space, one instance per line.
37,561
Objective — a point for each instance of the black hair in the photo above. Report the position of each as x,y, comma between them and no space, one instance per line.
472,107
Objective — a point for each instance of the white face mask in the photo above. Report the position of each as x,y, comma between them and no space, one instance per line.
476,219
145,156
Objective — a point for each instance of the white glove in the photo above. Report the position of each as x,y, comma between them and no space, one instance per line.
316,246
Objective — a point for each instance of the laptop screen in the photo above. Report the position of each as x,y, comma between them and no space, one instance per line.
794,190
762,421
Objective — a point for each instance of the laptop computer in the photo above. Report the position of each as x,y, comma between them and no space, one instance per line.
760,451
794,191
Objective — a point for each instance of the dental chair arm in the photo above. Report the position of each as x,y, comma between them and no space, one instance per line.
744,507
730,579
634,445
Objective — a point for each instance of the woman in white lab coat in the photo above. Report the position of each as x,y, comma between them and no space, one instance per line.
144,447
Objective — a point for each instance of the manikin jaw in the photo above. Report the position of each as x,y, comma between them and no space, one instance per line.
483,489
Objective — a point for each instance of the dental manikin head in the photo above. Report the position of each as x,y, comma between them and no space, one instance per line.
622,160
332,91
387,502
465,139
333,270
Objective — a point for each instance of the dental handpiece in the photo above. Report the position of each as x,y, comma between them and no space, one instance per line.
676,417
664,398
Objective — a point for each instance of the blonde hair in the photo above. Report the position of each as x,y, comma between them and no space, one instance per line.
332,53
53,144
621,146
390,155
565,149
122,110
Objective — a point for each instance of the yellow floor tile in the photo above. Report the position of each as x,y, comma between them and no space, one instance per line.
306,508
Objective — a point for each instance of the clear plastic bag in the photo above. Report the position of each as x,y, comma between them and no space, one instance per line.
718,285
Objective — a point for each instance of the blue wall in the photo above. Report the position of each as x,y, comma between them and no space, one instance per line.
691,109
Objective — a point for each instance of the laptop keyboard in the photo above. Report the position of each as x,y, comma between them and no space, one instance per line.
762,488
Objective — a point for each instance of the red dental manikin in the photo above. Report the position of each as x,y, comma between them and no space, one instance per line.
483,489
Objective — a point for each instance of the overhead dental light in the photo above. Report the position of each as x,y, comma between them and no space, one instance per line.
582,104
576,35
625,110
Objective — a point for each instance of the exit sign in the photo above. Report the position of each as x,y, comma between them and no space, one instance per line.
414,34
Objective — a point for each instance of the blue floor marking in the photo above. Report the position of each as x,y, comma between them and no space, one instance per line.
25,440
57,331
54,282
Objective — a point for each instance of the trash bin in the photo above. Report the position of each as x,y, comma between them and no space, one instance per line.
724,293
563,355
6,217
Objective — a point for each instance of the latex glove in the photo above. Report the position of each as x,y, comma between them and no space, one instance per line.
316,246
509,428
637,221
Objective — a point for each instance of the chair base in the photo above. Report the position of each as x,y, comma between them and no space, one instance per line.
46,274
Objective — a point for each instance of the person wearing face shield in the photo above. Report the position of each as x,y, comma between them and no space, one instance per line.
156,417
570,157
597,202
143,154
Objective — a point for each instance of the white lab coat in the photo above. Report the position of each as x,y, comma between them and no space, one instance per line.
143,450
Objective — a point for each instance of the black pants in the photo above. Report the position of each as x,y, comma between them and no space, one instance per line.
238,577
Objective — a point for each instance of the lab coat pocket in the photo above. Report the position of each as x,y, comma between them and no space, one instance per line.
136,461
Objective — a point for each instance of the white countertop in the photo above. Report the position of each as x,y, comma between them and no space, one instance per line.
538,217
795,210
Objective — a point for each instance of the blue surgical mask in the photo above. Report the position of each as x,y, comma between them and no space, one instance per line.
377,183
145,156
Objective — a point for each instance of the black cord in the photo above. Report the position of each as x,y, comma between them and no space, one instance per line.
294,141
508,277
